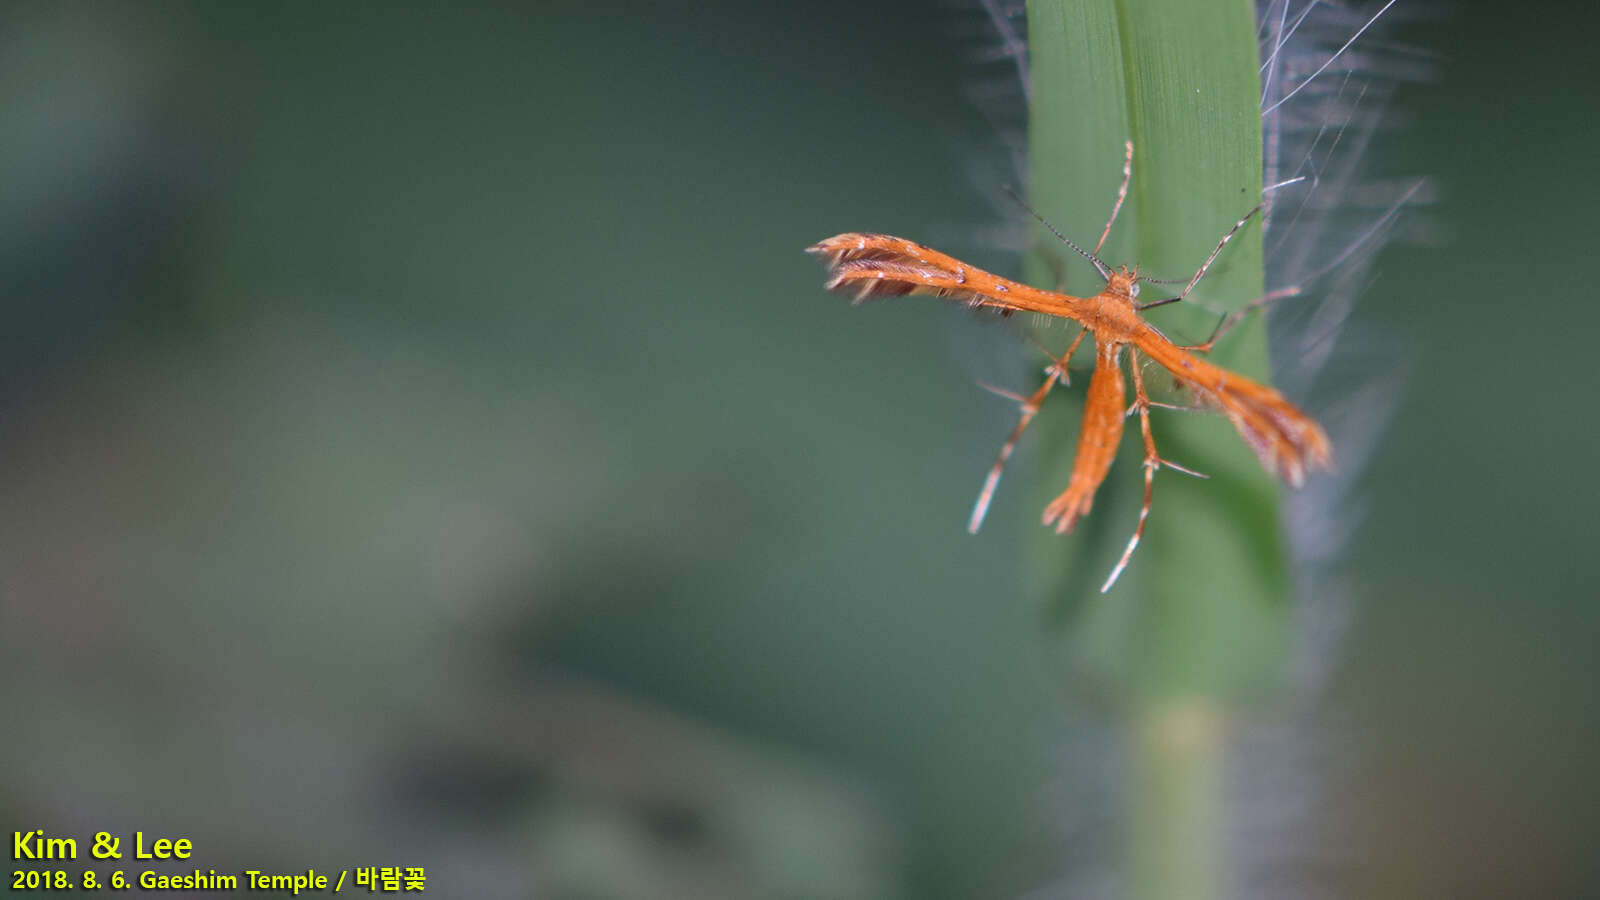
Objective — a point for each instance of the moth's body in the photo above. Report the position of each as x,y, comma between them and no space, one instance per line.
1284,439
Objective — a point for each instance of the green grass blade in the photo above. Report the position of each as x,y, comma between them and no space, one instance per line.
1199,619
1201,609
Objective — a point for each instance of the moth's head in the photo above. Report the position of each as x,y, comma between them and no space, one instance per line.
1123,282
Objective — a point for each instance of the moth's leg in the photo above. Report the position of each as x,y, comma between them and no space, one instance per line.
1229,320
1030,408
1122,194
1152,461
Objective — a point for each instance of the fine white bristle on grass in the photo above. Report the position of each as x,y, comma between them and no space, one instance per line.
1329,75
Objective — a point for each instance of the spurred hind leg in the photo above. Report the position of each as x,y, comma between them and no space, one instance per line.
1152,462
1141,402
1030,408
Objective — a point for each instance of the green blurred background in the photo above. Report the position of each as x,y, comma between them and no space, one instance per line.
425,444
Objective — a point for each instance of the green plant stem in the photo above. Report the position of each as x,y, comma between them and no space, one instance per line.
1199,619
1175,789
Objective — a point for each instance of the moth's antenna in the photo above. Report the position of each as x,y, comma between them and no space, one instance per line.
1098,265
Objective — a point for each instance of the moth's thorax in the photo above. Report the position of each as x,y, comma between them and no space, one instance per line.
1114,312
